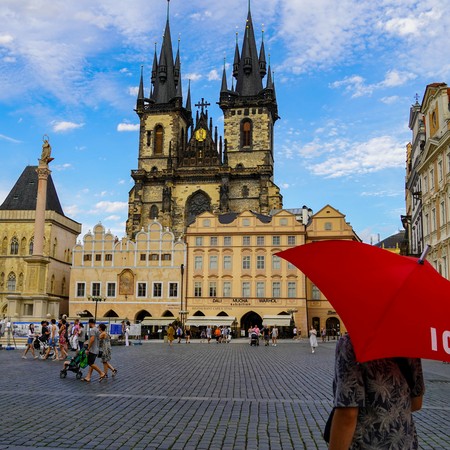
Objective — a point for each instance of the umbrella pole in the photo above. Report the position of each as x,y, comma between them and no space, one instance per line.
424,254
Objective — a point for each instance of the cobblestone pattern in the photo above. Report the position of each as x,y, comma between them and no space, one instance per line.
195,396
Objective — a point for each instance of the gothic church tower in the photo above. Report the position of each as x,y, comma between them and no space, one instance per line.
184,167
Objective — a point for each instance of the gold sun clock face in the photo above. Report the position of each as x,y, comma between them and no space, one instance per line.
200,134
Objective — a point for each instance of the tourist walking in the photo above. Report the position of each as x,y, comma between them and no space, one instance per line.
374,401
294,333
313,339
266,336
187,334
30,339
127,333
81,336
105,350
179,334
170,334
75,334
92,351
208,333
274,336
53,341
63,340
323,333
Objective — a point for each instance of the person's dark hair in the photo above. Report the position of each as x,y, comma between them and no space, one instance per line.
128,322
31,326
91,320
102,326
53,321
63,321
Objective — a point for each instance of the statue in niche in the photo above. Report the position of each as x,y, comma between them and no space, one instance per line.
167,198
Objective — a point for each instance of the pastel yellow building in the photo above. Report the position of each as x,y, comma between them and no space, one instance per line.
17,226
328,223
130,279
233,271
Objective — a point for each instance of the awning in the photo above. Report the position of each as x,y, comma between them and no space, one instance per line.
157,321
280,321
203,321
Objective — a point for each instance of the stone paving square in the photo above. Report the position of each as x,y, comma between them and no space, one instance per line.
191,396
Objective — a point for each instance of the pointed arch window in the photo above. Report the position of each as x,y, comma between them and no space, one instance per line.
14,246
159,140
154,212
31,246
246,133
11,285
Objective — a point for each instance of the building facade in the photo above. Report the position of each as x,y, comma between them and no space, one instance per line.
17,226
328,223
184,167
130,279
434,171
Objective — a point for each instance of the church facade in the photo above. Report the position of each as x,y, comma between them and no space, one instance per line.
184,167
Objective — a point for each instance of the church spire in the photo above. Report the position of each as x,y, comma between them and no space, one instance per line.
188,100
262,58
249,81
224,78
237,58
140,97
177,67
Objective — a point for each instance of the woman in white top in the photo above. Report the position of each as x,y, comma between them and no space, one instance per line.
313,338
30,339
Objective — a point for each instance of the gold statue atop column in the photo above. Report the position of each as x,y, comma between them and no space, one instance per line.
46,151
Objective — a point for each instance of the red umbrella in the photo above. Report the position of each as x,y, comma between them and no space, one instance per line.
392,305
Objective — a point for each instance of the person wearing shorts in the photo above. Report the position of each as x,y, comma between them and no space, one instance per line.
92,352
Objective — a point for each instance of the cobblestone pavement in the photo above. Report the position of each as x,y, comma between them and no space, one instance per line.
195,396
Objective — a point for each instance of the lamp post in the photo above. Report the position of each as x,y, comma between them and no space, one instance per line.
96,299
181,288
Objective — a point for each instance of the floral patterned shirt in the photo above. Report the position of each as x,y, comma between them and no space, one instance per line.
381,392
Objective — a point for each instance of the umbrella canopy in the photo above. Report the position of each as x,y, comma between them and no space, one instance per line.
391,305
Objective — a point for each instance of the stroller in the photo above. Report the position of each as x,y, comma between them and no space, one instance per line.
76,363
41,345
254,339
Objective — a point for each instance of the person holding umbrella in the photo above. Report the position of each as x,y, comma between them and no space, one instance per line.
374,401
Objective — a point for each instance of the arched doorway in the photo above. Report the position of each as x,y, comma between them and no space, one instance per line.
333,326
141,315
167,313
223,314
250,319
198,314
111,313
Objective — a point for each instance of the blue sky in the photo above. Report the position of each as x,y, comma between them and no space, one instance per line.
346,74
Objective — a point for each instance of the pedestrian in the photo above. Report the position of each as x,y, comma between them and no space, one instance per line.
323,333
92,352
53,341
294,333
217,335
274,336
374,401
179,334
63,340
313,339
127,333
187,334
30,338
202,336
266,335
81,336
75,334
170,334
105,350
208,333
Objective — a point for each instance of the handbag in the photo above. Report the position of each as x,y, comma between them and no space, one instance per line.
327,429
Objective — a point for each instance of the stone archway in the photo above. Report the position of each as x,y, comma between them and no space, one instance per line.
250,319
141,315
333,326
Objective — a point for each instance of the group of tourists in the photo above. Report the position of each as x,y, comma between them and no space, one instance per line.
221,334
56,337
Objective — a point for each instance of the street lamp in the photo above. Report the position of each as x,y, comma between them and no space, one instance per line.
96,299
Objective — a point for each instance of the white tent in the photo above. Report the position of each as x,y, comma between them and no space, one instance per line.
281,320
157,321
203,321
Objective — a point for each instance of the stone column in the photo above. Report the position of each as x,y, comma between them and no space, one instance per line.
41,202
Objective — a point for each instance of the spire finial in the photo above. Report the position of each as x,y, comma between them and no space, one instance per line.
417,97
168,9
249,6
237,36
262,31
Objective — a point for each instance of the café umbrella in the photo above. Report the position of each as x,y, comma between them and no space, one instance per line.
391,305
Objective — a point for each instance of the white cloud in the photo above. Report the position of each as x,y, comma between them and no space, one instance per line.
9,59
213,75
9,139
121,182
62,167
193,76
5,39
357,158
71,210
381,193
63,126
110,207
133,91
390,99
113,218
128,127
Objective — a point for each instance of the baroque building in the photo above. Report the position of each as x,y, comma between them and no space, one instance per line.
17,228
434,172
184,166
